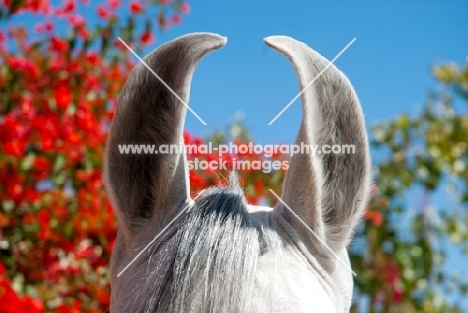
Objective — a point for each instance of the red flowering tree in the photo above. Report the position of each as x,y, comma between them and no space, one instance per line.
61,68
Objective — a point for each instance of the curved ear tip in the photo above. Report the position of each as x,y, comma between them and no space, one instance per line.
274,41
221,40
217,40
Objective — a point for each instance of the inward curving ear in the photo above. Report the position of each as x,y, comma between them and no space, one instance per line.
150,187
328,191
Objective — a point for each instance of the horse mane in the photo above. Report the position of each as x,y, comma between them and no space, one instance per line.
209,264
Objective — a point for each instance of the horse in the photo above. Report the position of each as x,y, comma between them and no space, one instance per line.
222,255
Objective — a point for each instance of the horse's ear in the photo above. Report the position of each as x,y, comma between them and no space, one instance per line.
328,191
150,187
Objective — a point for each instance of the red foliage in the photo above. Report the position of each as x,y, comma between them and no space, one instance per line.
185,8
114,4
58,102
176,19
103,12
375,217
147,37
136,7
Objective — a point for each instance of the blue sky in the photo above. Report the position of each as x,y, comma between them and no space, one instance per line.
388,64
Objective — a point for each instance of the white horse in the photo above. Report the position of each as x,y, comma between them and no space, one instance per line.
223,255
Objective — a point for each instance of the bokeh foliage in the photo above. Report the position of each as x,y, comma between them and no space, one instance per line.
421,164
59,80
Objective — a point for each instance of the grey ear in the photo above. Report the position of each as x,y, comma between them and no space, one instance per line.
328,191
150,187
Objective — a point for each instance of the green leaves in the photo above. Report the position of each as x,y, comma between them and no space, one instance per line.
427,152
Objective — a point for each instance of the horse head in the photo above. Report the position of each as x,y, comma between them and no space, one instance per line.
218,253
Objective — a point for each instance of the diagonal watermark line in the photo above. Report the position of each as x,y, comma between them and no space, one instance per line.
162,81
313,233
192,201
313,80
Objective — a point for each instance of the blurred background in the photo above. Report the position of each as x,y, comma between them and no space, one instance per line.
61,70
